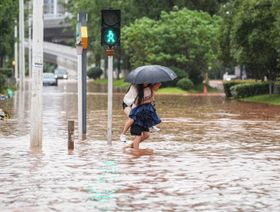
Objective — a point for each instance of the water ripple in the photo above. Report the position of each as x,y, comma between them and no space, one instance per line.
210,155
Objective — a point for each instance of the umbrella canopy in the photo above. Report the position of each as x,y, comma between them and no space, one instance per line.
150,74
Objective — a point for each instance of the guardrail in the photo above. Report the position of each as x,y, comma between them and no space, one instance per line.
62,51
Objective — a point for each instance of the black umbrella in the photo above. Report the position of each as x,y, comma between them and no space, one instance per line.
150,74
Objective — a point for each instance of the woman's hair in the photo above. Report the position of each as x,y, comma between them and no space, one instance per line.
140,93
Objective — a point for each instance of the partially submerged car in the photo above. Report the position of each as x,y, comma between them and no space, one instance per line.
60,73
49,79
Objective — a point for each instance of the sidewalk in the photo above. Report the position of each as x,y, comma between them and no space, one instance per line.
217,84
205,94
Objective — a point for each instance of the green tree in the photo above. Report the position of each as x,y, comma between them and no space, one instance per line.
131,11
185,39
276,29
251,36
8,14
224,36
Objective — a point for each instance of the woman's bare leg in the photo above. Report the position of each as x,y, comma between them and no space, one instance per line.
136,151
144,136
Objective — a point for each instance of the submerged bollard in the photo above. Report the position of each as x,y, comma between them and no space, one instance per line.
70,134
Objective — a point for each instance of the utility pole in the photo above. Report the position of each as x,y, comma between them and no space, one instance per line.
21,45
55,8
82,45
30,41
16,52
37,70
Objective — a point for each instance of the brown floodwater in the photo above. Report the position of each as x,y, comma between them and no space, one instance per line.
211,154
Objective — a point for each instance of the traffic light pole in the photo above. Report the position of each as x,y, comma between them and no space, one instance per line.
110,37
110,53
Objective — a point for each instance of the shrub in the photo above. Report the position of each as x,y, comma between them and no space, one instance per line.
95,73
276,87
249,89
7,72
180,75
185,84
49,67
277,83
228,84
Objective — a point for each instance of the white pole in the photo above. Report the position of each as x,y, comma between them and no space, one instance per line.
110,99
21,44
37,69
16,53
80,96
55,7
30,40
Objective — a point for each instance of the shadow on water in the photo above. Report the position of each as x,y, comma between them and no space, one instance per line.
211,154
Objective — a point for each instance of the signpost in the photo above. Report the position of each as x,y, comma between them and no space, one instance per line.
81,46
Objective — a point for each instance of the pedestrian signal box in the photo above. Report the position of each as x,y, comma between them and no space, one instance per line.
110,27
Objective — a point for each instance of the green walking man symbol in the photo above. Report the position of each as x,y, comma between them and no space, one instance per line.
111,37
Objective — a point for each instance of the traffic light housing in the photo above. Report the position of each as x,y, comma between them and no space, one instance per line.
110,27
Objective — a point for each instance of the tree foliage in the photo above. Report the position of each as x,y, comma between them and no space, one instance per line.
250,36
131,11
8,14
185,39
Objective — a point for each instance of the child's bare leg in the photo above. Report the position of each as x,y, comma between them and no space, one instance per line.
127,111
127,125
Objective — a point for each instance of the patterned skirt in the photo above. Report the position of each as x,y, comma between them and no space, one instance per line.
145,115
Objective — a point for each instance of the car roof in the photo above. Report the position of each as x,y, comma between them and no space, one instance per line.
60,70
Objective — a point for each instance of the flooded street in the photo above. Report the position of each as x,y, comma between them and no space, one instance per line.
211,154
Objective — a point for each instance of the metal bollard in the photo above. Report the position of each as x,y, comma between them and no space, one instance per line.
70,134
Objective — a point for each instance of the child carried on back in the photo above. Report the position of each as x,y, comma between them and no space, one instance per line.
133,98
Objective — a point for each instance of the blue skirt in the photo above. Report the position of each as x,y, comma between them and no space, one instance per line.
145,115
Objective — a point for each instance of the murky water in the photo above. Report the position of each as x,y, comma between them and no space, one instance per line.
210,155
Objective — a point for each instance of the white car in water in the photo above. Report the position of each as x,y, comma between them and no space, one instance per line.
61,73
49,79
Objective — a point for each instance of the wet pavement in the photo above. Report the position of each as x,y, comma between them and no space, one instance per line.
211,154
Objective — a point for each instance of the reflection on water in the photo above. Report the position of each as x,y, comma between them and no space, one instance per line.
211,154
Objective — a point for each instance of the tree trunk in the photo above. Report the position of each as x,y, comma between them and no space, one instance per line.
171,4
241,72
97,60
1,61
270,87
